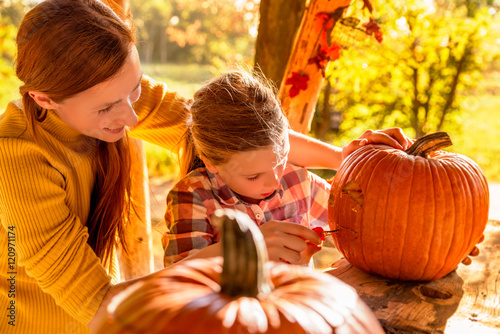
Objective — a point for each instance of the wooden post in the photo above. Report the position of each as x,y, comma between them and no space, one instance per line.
140,260
120,7
308,42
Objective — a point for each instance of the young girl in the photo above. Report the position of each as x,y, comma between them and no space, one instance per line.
241,135
65,162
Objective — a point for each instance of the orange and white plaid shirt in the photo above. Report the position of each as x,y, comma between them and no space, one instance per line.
301,197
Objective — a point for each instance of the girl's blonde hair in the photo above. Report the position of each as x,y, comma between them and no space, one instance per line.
234,112
65,47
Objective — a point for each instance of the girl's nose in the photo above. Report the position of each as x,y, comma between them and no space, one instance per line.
272,180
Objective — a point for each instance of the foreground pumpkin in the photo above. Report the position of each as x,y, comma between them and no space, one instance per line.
408,215
240,294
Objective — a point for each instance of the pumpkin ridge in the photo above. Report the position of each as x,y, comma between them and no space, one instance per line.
452,232
359,218
383,164
404,236
437,229
429,217
370,155
389,217
459,235
469,214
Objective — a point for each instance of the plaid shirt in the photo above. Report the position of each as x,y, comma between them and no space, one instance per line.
301,198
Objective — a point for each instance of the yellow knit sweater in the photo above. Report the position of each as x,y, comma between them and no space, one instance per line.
50,279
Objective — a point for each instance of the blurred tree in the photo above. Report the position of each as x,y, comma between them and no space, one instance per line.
11,13
187,31
433,53
152,17
279,21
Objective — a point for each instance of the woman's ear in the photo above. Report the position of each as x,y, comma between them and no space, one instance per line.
43,100
211,168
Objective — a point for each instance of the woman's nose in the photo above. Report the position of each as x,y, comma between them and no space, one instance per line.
129,116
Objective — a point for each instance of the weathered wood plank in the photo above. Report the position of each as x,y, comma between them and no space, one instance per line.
465,301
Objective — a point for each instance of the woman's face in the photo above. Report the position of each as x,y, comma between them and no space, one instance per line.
104,110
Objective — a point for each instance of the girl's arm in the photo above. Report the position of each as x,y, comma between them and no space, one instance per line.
312,153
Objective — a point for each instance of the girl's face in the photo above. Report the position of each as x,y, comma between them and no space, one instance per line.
254,175
103,111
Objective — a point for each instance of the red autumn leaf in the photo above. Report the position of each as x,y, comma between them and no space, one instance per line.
332,51
324,21
298,82
373,28
326,54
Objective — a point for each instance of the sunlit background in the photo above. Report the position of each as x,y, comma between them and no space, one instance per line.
438,67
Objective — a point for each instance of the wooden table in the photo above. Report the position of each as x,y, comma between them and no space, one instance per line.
465,301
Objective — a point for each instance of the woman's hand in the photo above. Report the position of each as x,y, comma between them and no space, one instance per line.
473,253
393,137
290,242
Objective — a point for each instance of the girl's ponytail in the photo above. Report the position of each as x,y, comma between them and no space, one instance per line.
189,159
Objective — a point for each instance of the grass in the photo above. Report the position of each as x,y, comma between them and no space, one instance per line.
185,79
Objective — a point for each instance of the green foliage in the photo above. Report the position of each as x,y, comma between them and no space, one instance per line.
431,57
8,80
478,135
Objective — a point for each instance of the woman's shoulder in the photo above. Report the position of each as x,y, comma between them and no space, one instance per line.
13,123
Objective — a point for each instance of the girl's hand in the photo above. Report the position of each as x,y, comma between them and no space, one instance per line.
289,242
393,137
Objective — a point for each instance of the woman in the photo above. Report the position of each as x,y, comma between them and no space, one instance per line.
65,162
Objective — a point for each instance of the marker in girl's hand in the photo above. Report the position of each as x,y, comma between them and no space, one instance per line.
311,247
319,231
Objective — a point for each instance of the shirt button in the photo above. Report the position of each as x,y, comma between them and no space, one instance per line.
258,216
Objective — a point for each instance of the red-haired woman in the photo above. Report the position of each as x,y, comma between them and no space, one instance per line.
65,162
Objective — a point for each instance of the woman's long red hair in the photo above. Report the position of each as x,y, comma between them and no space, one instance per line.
65,47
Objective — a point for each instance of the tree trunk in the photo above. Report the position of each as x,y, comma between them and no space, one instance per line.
279,21
120,7
325,112
308,42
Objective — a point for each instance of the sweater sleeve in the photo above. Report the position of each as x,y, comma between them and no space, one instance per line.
51,241
161,113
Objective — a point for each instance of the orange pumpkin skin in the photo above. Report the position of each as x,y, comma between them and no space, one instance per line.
186,299
407,217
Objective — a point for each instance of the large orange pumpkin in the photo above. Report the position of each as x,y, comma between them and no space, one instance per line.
241,293
408,215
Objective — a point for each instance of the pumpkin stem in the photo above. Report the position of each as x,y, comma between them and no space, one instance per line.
245,255
430,143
